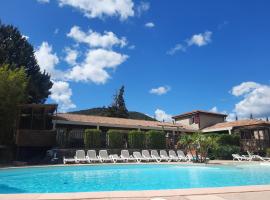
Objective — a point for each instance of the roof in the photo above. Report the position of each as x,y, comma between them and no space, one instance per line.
234,124
67,118
197,112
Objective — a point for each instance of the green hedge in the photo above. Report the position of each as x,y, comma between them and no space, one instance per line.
155,139
226,139
92,138
136,139
224,152
116,138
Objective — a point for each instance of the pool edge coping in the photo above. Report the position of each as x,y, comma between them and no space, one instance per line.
136,194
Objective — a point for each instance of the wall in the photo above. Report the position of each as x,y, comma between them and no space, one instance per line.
186,122
209,120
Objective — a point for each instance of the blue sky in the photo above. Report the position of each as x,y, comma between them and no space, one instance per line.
172,57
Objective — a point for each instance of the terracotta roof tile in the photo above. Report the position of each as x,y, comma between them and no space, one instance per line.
198,111
118,121
239,123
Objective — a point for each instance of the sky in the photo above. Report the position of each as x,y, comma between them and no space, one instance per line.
172,56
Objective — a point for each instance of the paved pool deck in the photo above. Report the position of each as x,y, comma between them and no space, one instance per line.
223,193
261,192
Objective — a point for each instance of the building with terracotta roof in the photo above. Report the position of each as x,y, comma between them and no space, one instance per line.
254,134
199,119
41,126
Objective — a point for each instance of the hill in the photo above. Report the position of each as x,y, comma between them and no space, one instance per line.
104,112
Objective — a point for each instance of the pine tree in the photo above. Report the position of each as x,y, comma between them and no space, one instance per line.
16,52
118,107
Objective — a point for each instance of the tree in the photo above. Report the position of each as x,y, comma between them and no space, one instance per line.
16,52
118,107
198,144
13,84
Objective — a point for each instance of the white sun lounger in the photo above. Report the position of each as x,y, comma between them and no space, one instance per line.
103,156
173,155
138,156
80,156
91,156
182,156
257,157
125,155
164,155
146,155
155,155
240,158
68,160
115,158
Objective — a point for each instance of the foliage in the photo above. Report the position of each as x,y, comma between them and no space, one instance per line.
92,138
118,107
116,138
103,111
17,52
267,151
155,139
226,139
200,144
13,84
224,152
136,139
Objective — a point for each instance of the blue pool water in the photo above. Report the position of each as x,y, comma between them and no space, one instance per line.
87,178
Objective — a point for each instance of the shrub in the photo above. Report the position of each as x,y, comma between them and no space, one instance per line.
92,138
116,138
224,152
136,139
155,139
226,139
267,152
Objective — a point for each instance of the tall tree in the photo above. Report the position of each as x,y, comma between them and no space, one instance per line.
118,107
13,84
16,52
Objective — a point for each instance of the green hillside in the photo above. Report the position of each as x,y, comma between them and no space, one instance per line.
104,112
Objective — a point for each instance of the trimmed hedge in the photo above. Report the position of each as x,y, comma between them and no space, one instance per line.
136,139
224,152
155,139
116,138
92,138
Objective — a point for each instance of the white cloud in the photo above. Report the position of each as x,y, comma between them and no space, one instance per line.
95,39
102,8
161,115
177,47
71,56
43,1
61,94
231,117
214,109
150,25
95,65
25,37
244,88
47,59
200,39
142,7
160,90
255,99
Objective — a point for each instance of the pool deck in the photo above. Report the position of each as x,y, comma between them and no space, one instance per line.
223,193
260,192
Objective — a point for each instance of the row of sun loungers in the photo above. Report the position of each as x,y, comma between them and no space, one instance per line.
103,156
250,157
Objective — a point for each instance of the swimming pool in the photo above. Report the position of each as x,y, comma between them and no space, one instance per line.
87,178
